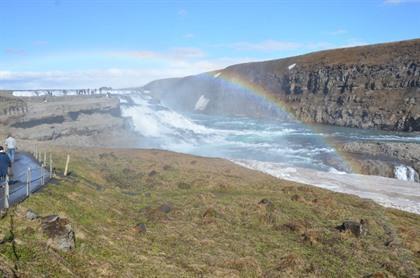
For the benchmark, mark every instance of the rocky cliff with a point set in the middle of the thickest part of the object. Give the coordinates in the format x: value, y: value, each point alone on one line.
x: 11, y: 108
x: 376, y: 86
x: 383, y: 158
x: 76, y: 120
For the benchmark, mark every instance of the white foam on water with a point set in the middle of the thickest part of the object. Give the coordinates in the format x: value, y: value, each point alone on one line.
x: 172, y: 130
x: 406, y: 173
x: 123, y: 101
x: 24, y: 93
x: 202, y: 103
x: 144, y: 120
x: 335, y: 171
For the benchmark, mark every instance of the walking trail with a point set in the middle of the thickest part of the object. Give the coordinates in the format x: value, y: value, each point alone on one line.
x: 17, y: 184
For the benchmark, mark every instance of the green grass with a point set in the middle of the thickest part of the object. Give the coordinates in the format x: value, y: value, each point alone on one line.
x: 215, y: 228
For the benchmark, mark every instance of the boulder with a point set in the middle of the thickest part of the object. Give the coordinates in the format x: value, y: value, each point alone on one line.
x: 210, y: 212
x: 356, y: 228
x: 60, y: 233
x: 6, y: 237
x: 30, y: 215
x: 165, y: 208
x: 265, y: 202
x: 140, y: 228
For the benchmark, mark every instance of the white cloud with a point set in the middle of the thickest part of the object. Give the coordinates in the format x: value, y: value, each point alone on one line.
x: 15, y: 51
x: 178, y: 53
x: 114, y: 77
x: 267, y: 45
x: 337, y: 32
x: 188, y: 36
x: 182, y: 12
x: 144, y: 65
x: 274, y: 47
x: 397, y: 2
x: 40, y: 43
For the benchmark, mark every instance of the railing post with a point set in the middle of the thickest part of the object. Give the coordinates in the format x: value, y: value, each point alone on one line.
x: 45, y: 158
x: 51, y: 167
x: 28, y: 181
x: 42, y: 176
x: 36, y: 152
x: 66, y: 169
x: 6, y: 193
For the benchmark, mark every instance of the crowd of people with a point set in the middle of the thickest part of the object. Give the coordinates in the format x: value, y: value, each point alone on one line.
x: 7, y: 157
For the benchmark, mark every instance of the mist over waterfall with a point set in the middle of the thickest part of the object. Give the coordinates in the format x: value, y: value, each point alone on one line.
x: 245, y: 138
x: 232, y: 137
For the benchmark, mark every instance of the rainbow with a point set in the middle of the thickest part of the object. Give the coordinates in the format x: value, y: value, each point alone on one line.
x: 260, y: 91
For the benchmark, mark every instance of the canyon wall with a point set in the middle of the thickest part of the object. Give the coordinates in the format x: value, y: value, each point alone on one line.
x: 375, y: 86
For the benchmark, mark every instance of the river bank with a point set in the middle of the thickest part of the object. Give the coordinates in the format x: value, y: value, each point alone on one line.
x: 145, y: 213
x: 135, y: 119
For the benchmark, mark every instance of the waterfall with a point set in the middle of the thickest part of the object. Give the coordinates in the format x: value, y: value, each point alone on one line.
x: 406, y: 173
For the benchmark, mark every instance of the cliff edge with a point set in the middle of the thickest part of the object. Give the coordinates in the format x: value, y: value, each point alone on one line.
x: 375, y: 86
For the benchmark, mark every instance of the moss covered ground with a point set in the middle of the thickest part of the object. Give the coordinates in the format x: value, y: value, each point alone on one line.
x: 216, y: 226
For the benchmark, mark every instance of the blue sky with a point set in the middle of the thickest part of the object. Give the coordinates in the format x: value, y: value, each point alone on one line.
x: 123, y: 43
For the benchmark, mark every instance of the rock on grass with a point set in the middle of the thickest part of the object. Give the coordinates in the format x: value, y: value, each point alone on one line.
x: 30, y: 215
x: 60, y: 233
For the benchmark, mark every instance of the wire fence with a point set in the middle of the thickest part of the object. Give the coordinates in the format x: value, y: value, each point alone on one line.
x: 19, y: 186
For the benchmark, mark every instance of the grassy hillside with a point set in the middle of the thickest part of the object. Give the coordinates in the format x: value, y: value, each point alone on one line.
x: 216, y: 225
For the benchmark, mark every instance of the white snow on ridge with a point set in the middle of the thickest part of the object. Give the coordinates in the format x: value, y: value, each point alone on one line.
x: 388, y: 192
x: 291, y: 66
x: 202, y: 103
x: 217, y: 74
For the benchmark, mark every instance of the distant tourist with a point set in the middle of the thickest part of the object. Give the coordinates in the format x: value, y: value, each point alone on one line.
x: 5, y: 164
x: 11, y: 147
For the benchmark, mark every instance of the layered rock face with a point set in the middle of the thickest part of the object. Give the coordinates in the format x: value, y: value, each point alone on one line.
x: 375, y: 86
x: 76, y: 120
x: 357, y: 95
x: 11, y: 108
x: 383, y: 158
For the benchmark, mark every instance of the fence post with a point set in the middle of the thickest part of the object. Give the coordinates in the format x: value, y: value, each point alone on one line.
x: 51, y: 167
x: 6, y: 193
x: 45, y: 158
x: 42, y: 176
x: 28, y: 181
x: 66, y: 169
x: 36, y: 152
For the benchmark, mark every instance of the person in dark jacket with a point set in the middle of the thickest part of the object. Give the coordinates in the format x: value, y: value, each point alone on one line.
x: 5, y: 163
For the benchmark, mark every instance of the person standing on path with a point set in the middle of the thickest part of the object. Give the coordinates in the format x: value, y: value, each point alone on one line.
x: 5, y: 164
x: 11, y: 147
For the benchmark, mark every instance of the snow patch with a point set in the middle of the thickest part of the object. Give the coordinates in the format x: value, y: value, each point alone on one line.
x: 291, y: 66
x: 404, y: 195
x: 202, y: 103
x: 217, y: 74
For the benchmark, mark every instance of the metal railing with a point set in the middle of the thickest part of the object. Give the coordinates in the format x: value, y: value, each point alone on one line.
x: 31, y: 178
